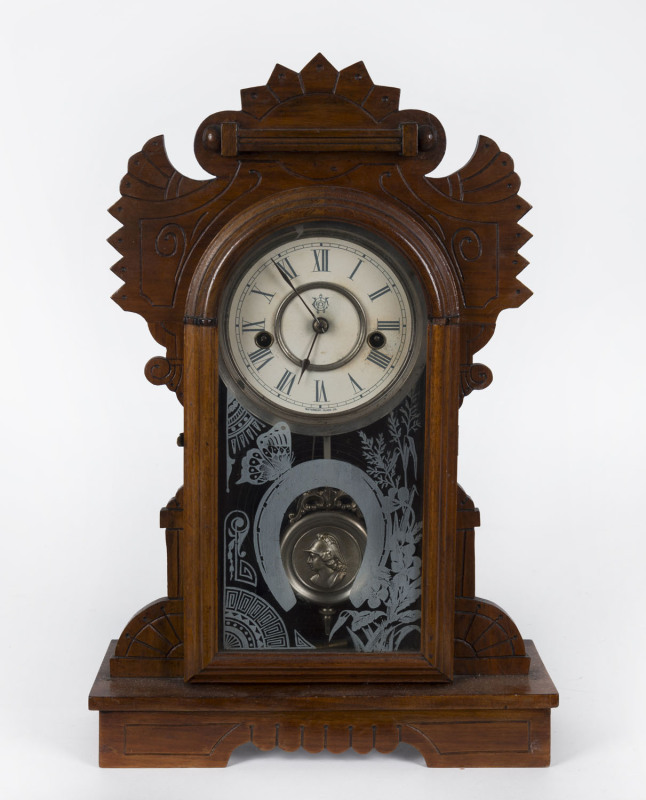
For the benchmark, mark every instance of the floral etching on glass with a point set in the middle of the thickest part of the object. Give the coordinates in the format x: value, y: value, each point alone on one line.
x: 388, y: 609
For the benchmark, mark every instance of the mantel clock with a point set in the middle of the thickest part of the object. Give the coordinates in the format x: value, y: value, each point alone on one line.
x: 320, y: 301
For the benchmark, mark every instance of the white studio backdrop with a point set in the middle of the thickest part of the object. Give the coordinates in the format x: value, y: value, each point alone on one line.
x: 552, y: 452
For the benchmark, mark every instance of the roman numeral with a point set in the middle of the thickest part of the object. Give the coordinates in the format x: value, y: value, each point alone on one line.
x: 321, y: 260
x: 269, y: 297
x: 379, y: 292
x: 286, y: 268
x: 260, y: 357
x: 388, y: 324
x: 321, y: 396
x: 255, y: 327
x: 378, y: 358
x: 352, y: 274
x: 286, y: 383
x: 355, y: 386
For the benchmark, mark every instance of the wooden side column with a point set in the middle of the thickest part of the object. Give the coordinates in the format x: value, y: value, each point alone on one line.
x: 200, y: 496
x: 441, y: 492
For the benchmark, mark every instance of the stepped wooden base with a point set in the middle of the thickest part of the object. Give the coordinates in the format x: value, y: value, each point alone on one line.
x: 476, y: 721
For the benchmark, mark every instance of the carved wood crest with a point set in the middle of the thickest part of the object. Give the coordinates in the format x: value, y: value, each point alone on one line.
x: 274, y: 144
x: 316, y: 129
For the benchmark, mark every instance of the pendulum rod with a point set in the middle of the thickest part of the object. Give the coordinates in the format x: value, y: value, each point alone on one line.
x: 327, y: 447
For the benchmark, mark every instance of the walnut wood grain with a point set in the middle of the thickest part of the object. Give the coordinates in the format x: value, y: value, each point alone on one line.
x: 472, y: 722
x: 486, y: 640
x: 321, y: 144
x: 204, y: 660
x: 468, y: 519
x: 169, y: 220
x: 171, y: 517
x: 473, y: 653
x: 152, y: 643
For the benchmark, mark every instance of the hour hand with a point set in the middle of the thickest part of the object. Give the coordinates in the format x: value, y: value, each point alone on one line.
x: 306, y: 361
x: 305, y: 365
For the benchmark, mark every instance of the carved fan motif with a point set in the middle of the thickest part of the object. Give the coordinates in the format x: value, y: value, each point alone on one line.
x: 156, y: 632
x: 483, y: 632
x: 168, y: 220
x: 352, y: 83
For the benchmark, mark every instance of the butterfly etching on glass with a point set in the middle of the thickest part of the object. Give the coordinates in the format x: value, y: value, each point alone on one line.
x: 272, y: 456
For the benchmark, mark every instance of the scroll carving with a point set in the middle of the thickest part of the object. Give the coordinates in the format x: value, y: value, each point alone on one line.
x: 336, y: 142
x: 168, y: 219
x: 474, y: 376
x: 162, y: 371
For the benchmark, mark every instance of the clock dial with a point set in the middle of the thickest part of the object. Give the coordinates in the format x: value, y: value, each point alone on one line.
x: 321, y: 330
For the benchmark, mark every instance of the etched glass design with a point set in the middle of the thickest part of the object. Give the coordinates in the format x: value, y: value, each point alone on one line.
x: 321, y: 545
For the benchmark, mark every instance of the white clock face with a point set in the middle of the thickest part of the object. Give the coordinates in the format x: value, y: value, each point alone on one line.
x: 320, y: 331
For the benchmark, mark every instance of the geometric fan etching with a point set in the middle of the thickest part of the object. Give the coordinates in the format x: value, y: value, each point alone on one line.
x: 483, y: 630
x: 156, y: 632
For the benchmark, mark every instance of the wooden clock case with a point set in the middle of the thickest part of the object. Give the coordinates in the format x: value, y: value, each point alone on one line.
x: 320, y: 144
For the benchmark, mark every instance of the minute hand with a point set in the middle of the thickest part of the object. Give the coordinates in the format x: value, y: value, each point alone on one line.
x: 294, y: 289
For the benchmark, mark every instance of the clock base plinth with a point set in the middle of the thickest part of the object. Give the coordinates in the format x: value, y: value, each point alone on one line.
x: 475, y: 721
